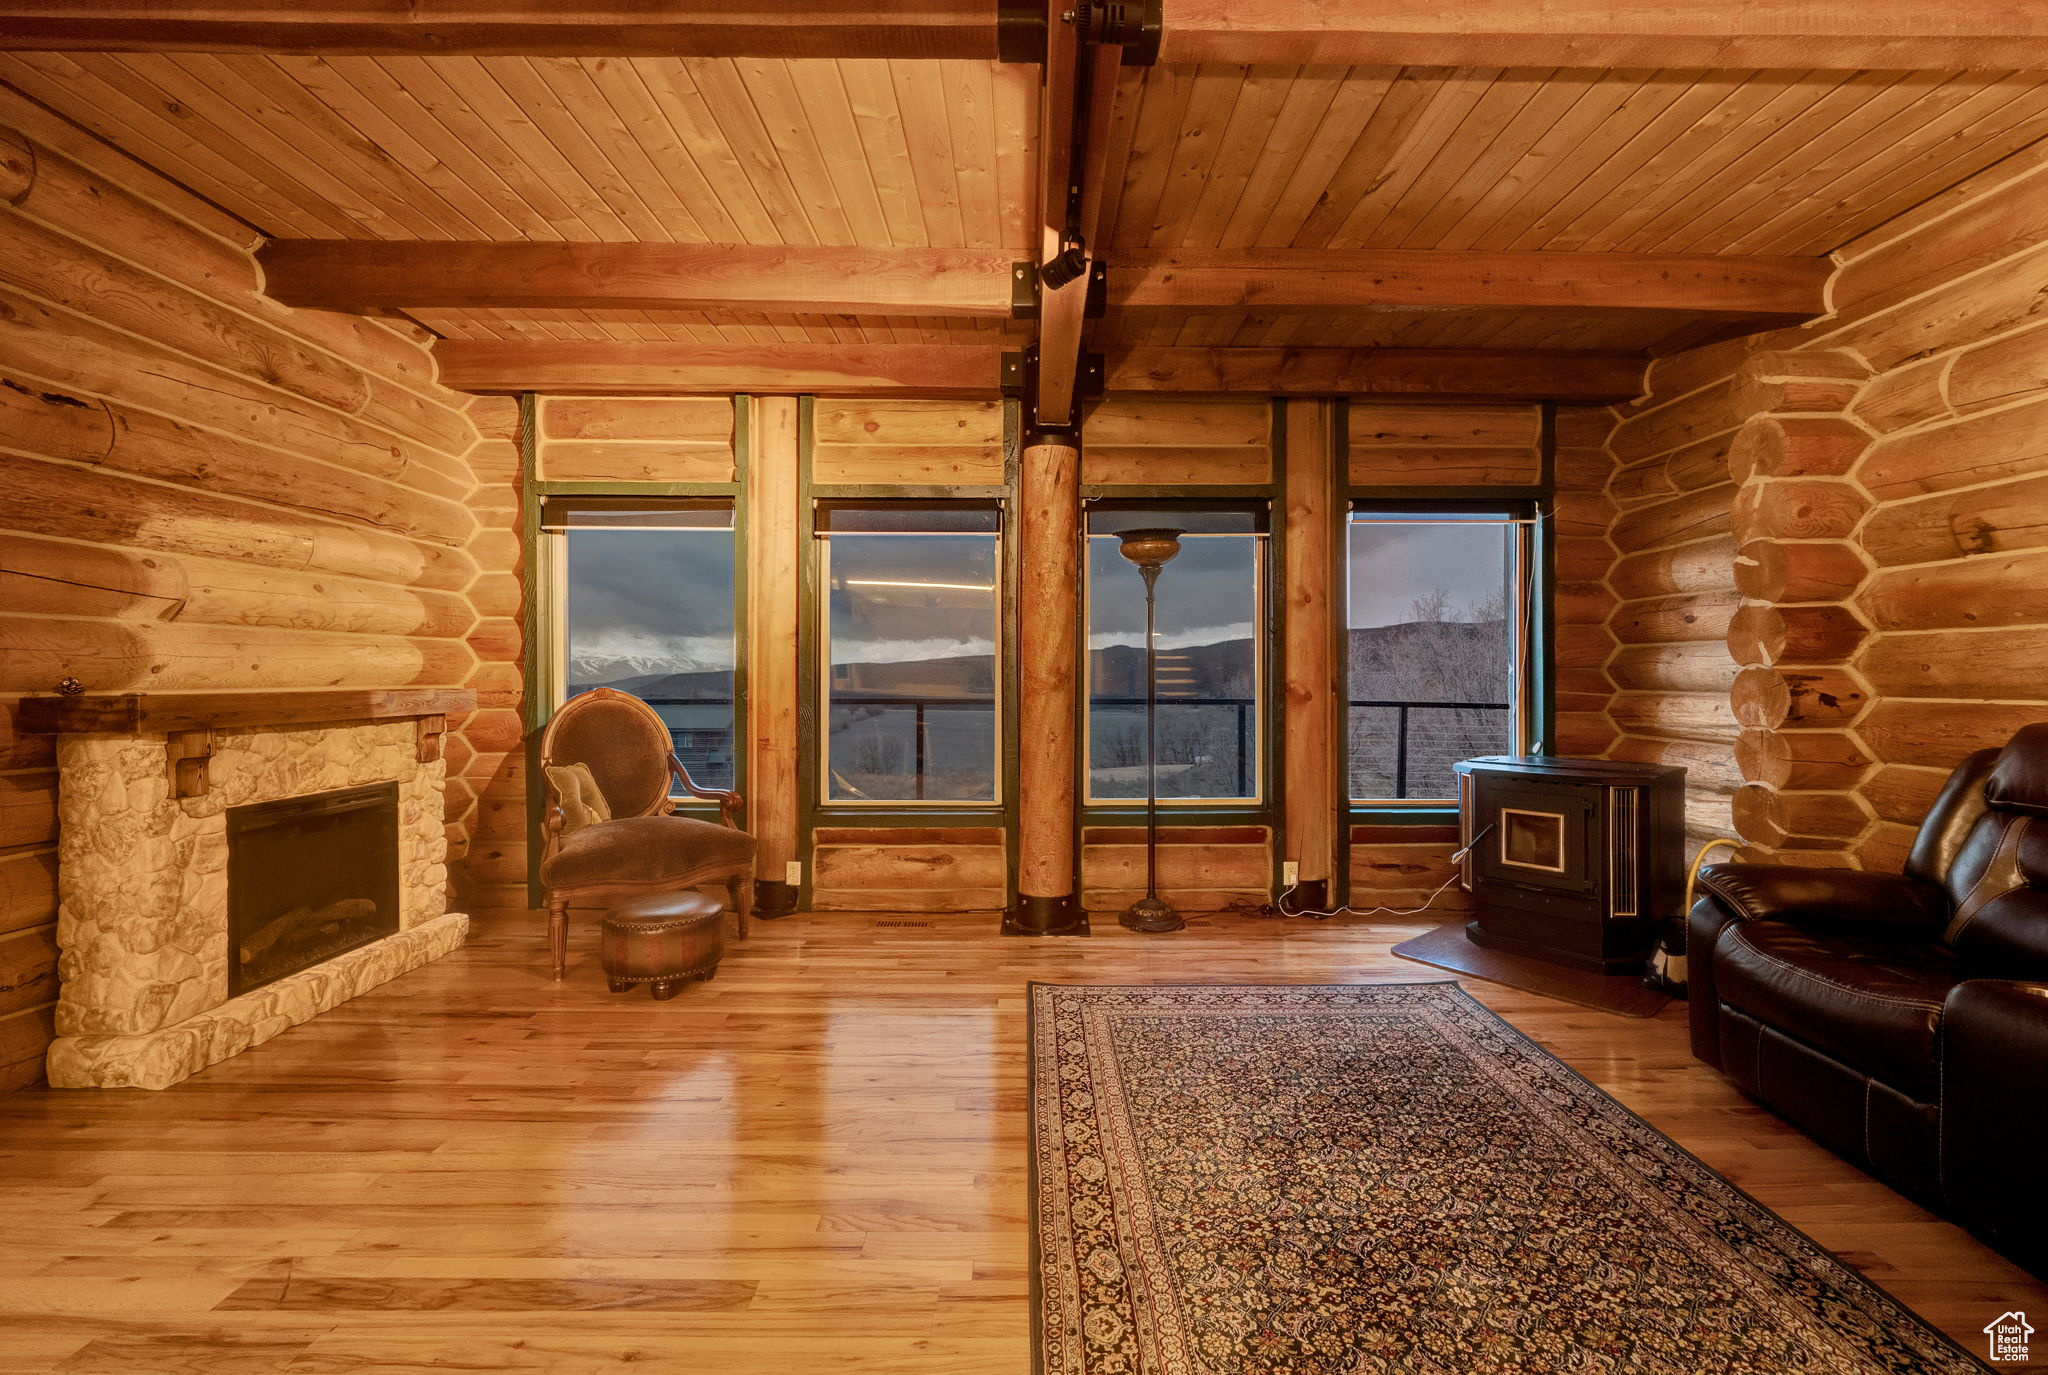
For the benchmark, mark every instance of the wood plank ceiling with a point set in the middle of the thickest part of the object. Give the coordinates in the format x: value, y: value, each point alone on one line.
x: 926, y: 153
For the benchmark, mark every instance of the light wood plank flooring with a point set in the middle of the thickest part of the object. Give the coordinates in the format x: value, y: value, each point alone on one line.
x: 814, y: 1163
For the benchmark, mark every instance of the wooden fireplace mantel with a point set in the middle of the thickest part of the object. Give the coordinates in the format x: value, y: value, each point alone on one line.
x: 189, y: 719
x: 168, y: 713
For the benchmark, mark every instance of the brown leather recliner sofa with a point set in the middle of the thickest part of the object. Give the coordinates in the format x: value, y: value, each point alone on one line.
x: 1902, y: 1019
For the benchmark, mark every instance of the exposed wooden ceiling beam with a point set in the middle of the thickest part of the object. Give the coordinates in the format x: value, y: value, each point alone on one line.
x: 1799, y: 34
x: 941, y: 370
x: 1796, y: 34
x: 975, y: 283
x: 352, y: 274
x: 572, y: 28
x: 931, y: 370
x: 1440, y: 374
x: 1336, y: 280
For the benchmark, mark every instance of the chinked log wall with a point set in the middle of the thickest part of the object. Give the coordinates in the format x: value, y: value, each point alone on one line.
x: 1834, y: 540
x: 204, y: 490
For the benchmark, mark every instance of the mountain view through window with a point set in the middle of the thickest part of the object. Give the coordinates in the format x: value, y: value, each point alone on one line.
x: 650, y: 611
x: 1429, y: 632
x: 1209, y: 629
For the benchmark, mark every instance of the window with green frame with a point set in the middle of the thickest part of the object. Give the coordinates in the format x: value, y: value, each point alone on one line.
x: 1437, y: 650
x: 910, y: 652
x: 1211, y: 628
x: 646, y: 604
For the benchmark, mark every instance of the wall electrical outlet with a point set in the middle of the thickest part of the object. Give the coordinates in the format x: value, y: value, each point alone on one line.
x: 793, y: 873
x: 1290, y: 873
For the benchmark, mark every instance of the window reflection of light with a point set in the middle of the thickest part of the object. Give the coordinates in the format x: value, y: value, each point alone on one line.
x: 955, y: 586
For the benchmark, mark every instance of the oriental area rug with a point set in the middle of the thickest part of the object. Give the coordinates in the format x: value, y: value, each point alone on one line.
x: 1343, y: 1180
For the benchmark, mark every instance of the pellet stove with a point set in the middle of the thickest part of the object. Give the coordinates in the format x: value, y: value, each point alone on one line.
x: 1576, y: 861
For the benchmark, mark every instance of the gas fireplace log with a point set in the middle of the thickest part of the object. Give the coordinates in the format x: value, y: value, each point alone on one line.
x: 326, y: 920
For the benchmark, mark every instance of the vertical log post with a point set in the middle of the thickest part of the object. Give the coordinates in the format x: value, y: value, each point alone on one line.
x: 771, y: 706
x: 1309, y: 636
x: 1048, y: 615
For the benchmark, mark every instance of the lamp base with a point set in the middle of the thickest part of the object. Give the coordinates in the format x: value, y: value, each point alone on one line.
x: 1150, y: 915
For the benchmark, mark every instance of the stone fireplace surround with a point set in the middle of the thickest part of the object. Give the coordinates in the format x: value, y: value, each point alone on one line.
x: 142, y: 921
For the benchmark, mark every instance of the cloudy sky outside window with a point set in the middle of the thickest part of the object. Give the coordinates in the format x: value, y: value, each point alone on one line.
x: 648, y: 602
x: 1392, y: 566
x: 1206, y: 594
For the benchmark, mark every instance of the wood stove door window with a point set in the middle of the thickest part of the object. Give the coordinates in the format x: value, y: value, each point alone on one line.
x: 1532, y: 840
x: 1437, y: 648
x: 1543, y: 834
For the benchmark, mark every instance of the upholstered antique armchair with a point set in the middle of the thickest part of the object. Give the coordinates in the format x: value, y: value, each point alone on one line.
x: 608, y: 763
x: 1902, y: 1018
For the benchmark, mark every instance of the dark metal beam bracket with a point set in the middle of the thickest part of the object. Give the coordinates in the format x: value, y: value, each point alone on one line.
x: 1020, y: 380
x: 1133, y: 25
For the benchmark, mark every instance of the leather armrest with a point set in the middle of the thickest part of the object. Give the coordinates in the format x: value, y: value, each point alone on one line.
x: 1825, y: 897
x: 1798, y: 896
x: 1994, y: 1113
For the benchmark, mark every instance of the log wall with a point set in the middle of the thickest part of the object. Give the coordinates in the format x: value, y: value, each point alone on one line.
x: 635, y: 439
x: 205, y: 490
x: 1406, y: 444
x: 1832, y: 539
x: 487, y: 761
x: 1132, y: 440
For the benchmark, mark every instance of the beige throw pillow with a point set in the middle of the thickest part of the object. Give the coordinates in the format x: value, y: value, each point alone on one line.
x: 582, y: 803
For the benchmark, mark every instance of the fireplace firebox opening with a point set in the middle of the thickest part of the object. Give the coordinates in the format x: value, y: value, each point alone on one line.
x: 309, y: 878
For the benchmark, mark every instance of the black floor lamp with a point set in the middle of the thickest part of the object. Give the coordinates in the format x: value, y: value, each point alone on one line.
x: 1151, y: 550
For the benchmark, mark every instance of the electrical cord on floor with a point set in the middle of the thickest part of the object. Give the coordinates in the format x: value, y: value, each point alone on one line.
x: 1281, y: 909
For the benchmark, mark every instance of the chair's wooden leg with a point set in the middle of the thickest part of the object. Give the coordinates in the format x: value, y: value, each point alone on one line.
x: 558, y: 935
x: 742, y: 889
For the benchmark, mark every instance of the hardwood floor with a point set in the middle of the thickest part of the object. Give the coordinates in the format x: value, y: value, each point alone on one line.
x: 814, y: 1163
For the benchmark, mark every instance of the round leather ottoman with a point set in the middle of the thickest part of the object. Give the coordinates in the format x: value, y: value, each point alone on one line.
x: 663, y: 940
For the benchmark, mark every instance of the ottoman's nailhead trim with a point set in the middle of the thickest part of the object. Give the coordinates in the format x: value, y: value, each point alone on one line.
x: 661, y: 978
x: 639, y: 930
